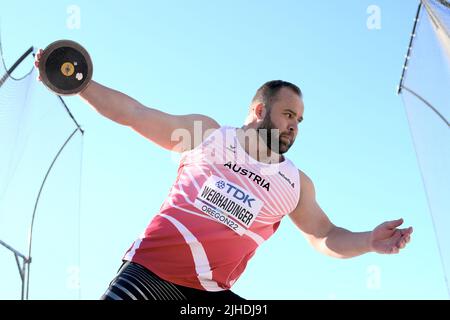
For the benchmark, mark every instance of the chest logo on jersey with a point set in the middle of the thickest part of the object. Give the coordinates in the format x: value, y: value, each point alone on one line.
x: 287, y: 179
x: 228, y: 204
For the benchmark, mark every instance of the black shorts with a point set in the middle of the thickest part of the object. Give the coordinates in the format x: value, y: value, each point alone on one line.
x: 135, y: 282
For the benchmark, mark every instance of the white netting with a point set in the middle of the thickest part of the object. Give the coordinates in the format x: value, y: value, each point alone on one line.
x: 34, y: 125
x: 426, y: 96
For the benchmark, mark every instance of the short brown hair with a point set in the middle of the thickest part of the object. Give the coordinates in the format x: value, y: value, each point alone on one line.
x: 267, y: 93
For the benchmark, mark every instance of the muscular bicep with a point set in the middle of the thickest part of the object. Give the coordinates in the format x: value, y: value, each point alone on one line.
x: 309, y: 216
x: 173, y: 132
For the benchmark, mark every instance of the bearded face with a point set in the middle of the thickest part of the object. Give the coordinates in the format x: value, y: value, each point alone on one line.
x: 277, y: 141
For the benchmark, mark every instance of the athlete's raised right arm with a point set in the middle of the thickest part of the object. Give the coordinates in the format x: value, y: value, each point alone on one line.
x: 157, y: 126
x: 153, y: 124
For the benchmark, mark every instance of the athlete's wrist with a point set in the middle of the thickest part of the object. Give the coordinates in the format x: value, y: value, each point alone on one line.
x: 369, y: 242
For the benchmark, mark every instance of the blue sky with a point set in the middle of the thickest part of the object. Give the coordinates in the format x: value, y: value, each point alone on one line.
x: 209, y: 57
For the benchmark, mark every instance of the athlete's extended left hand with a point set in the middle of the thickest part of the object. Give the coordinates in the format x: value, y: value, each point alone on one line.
x: 388, y: 239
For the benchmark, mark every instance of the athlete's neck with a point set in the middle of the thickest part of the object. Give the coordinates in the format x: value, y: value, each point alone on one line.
x: 255, y: 146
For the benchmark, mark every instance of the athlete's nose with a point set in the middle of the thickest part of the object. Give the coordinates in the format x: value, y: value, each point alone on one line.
x: 292, y: 131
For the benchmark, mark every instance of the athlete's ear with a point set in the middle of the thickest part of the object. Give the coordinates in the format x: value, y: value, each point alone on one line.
x: 260, y: 111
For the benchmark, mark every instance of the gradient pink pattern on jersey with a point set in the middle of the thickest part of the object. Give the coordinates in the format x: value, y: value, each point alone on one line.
x: 221, y: 207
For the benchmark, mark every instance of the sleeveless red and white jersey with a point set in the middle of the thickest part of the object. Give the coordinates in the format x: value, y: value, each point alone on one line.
x: 221, y: 207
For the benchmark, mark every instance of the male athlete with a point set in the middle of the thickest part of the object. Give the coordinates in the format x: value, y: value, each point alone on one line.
x: 234, y: 186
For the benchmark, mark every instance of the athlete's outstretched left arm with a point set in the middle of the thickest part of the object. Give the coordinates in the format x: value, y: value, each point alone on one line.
x: 338, y: 242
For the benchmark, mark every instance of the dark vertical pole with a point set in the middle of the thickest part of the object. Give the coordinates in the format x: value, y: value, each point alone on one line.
x: 14, y: 66
x: 413, y: 34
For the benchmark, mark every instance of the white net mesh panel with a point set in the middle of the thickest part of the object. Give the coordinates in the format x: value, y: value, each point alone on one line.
x: 34, y: 125
x: 426, y: 96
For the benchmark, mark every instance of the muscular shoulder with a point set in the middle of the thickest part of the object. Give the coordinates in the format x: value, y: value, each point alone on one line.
x: 306, y: 187
x: 208, y: 122
x: 204, y: 125
x: 209, y: 126
x: 195, y: 129
x: 305, y: 181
